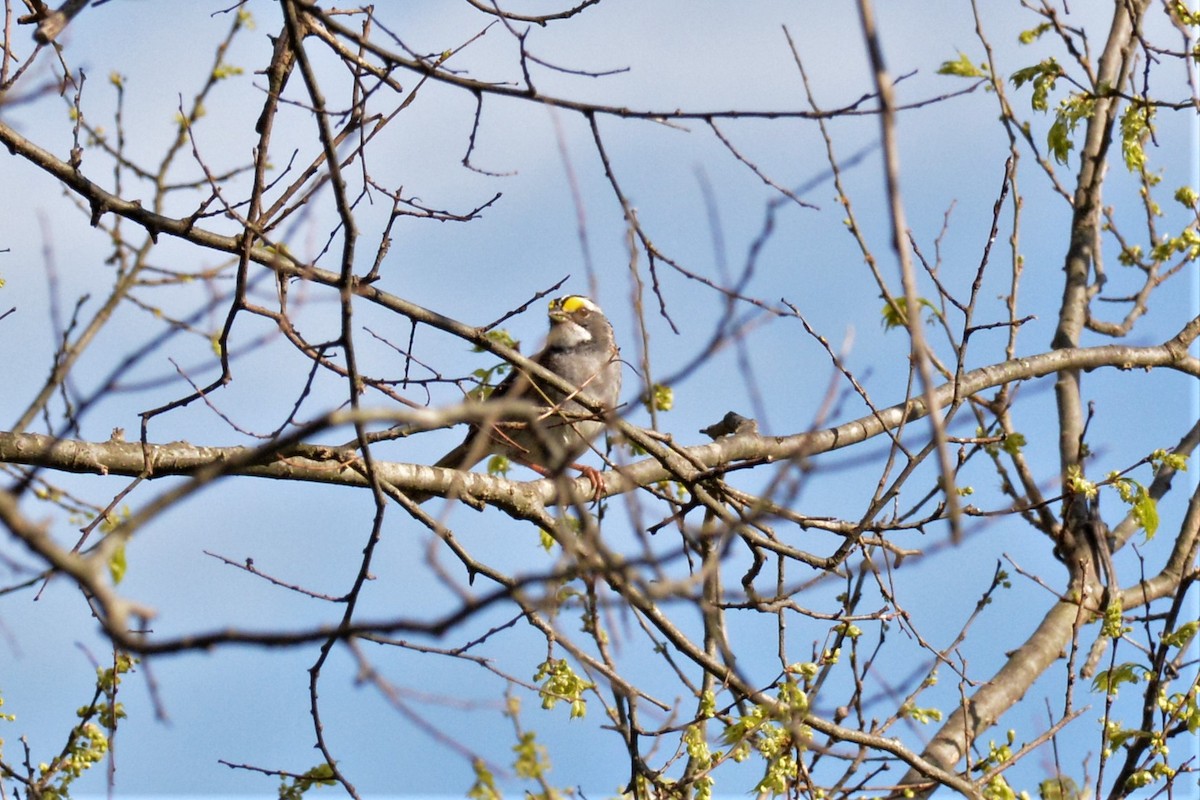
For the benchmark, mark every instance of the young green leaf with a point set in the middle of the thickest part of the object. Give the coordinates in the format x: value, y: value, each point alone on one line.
x: 962, y: 67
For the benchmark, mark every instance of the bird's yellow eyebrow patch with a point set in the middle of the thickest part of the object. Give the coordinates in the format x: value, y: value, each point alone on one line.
x: 571, y: 304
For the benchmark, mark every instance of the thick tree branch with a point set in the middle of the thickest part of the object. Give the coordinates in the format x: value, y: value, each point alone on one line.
x: 322, y: 464
x: 1115, y: 63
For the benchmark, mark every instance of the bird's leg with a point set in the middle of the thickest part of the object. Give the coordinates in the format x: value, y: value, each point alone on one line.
x: 594, y: 476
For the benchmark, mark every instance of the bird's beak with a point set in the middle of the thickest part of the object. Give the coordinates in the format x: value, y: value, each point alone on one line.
x: 558, y: 316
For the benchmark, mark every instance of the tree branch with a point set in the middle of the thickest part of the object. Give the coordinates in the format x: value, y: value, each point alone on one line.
x: 325, y: 464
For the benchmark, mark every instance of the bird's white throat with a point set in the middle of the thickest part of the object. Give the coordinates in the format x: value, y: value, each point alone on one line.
x: 567, y: 334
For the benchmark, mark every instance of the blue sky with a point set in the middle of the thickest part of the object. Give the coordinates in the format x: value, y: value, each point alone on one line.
x: 250, y: 706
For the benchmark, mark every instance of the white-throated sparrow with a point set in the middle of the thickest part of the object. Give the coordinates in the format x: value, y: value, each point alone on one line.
x: 556, y: 430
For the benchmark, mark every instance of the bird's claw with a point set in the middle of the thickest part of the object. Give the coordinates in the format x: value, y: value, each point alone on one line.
x: 596, y: 478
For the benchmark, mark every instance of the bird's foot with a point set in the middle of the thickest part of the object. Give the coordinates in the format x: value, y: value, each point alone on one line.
x: 595, y: 477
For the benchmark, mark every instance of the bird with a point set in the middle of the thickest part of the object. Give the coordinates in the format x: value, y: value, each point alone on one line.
x: 555, y: 430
